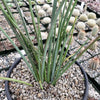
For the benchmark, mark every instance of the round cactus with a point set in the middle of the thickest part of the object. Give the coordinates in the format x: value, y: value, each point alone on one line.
x: 81, y: 34
x: 72, y: 19
x: 98, y: 22
x: 94, y: 46
x: 40, y: 1
x: 46, y: 6
x: 92, y: 15
x: 91, y: 22
x: 49, y: 11
x: 76, y: 12
x: 83, y: 17
x: 81, y: 25
x: 68, y: 28
x: 95, y: 30
x: 41, y: 13
x: 37, y: 7
x: 46, y: 20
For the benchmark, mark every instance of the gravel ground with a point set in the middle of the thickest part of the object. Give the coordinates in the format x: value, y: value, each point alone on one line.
x: 6, y: 61
x: 74, y: 91
x: 64, y: 89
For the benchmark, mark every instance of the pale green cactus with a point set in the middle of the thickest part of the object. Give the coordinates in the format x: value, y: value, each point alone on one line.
x: 98, y: 21
x: 95, y: 30
x: 91, y: 22
x: 92, y: 15
x: 81, y: 25
x: 94, y: 46
x: 94, y: 63
x: 81, y: 34
x: 83, y: 17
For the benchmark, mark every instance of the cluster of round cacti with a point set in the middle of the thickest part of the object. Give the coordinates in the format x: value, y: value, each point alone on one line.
x: 88, y: 19
x: 94, y: 63
x: 85, y: 19
x: 44, y: 10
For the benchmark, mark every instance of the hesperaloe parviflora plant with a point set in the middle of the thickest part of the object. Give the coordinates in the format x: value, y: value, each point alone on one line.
x: 45, y: 62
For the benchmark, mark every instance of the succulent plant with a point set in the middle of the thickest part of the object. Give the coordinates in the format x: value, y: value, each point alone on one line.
x: 44, y: 61
x: 37, y: 7
x: 91, y: 22
x: 68, y: 28
x: 92, y: 15
x: 76, y: 12
x: 81, y: 34
x: 40, y: 1
x: 41, y: 13
x: 94, y: 63
x: 33, y: 2
x: 83, y: 17
x: 48, y: 1
x: 46, y: 6
x: 95, y: 30
x: 81, y: 25
x: 93, y: 46
x: 72, y: 19
x: 46, y: 20
x: 49, y: 11
x: 98, y: 21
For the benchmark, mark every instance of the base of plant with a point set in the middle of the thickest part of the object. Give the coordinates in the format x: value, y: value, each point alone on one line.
x: 69, y: 86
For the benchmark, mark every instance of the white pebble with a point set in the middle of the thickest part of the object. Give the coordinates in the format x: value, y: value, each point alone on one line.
x: 46, y: 20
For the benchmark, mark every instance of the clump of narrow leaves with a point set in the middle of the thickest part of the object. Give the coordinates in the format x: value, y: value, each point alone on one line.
x: 45, y: 62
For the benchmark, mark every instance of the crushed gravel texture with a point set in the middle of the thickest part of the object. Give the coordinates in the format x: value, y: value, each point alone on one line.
x: 69, y: 87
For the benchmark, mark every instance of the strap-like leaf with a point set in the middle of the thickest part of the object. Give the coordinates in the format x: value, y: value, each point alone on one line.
x: 19, y: 52
x: 15, y: 80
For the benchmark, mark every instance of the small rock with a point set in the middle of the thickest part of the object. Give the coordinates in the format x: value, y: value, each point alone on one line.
x: 40, y: 95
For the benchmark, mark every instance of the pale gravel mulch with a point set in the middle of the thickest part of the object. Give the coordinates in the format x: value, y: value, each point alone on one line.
x: 12, y: 58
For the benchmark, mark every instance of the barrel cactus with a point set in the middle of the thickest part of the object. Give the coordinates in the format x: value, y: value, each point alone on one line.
x: 81, y: 34
x: 95, y: 30
x: 94, y: 63
x: 92, y: 15
x: 94, y: 46
x: 91, y: 22
x: 83, y: 17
